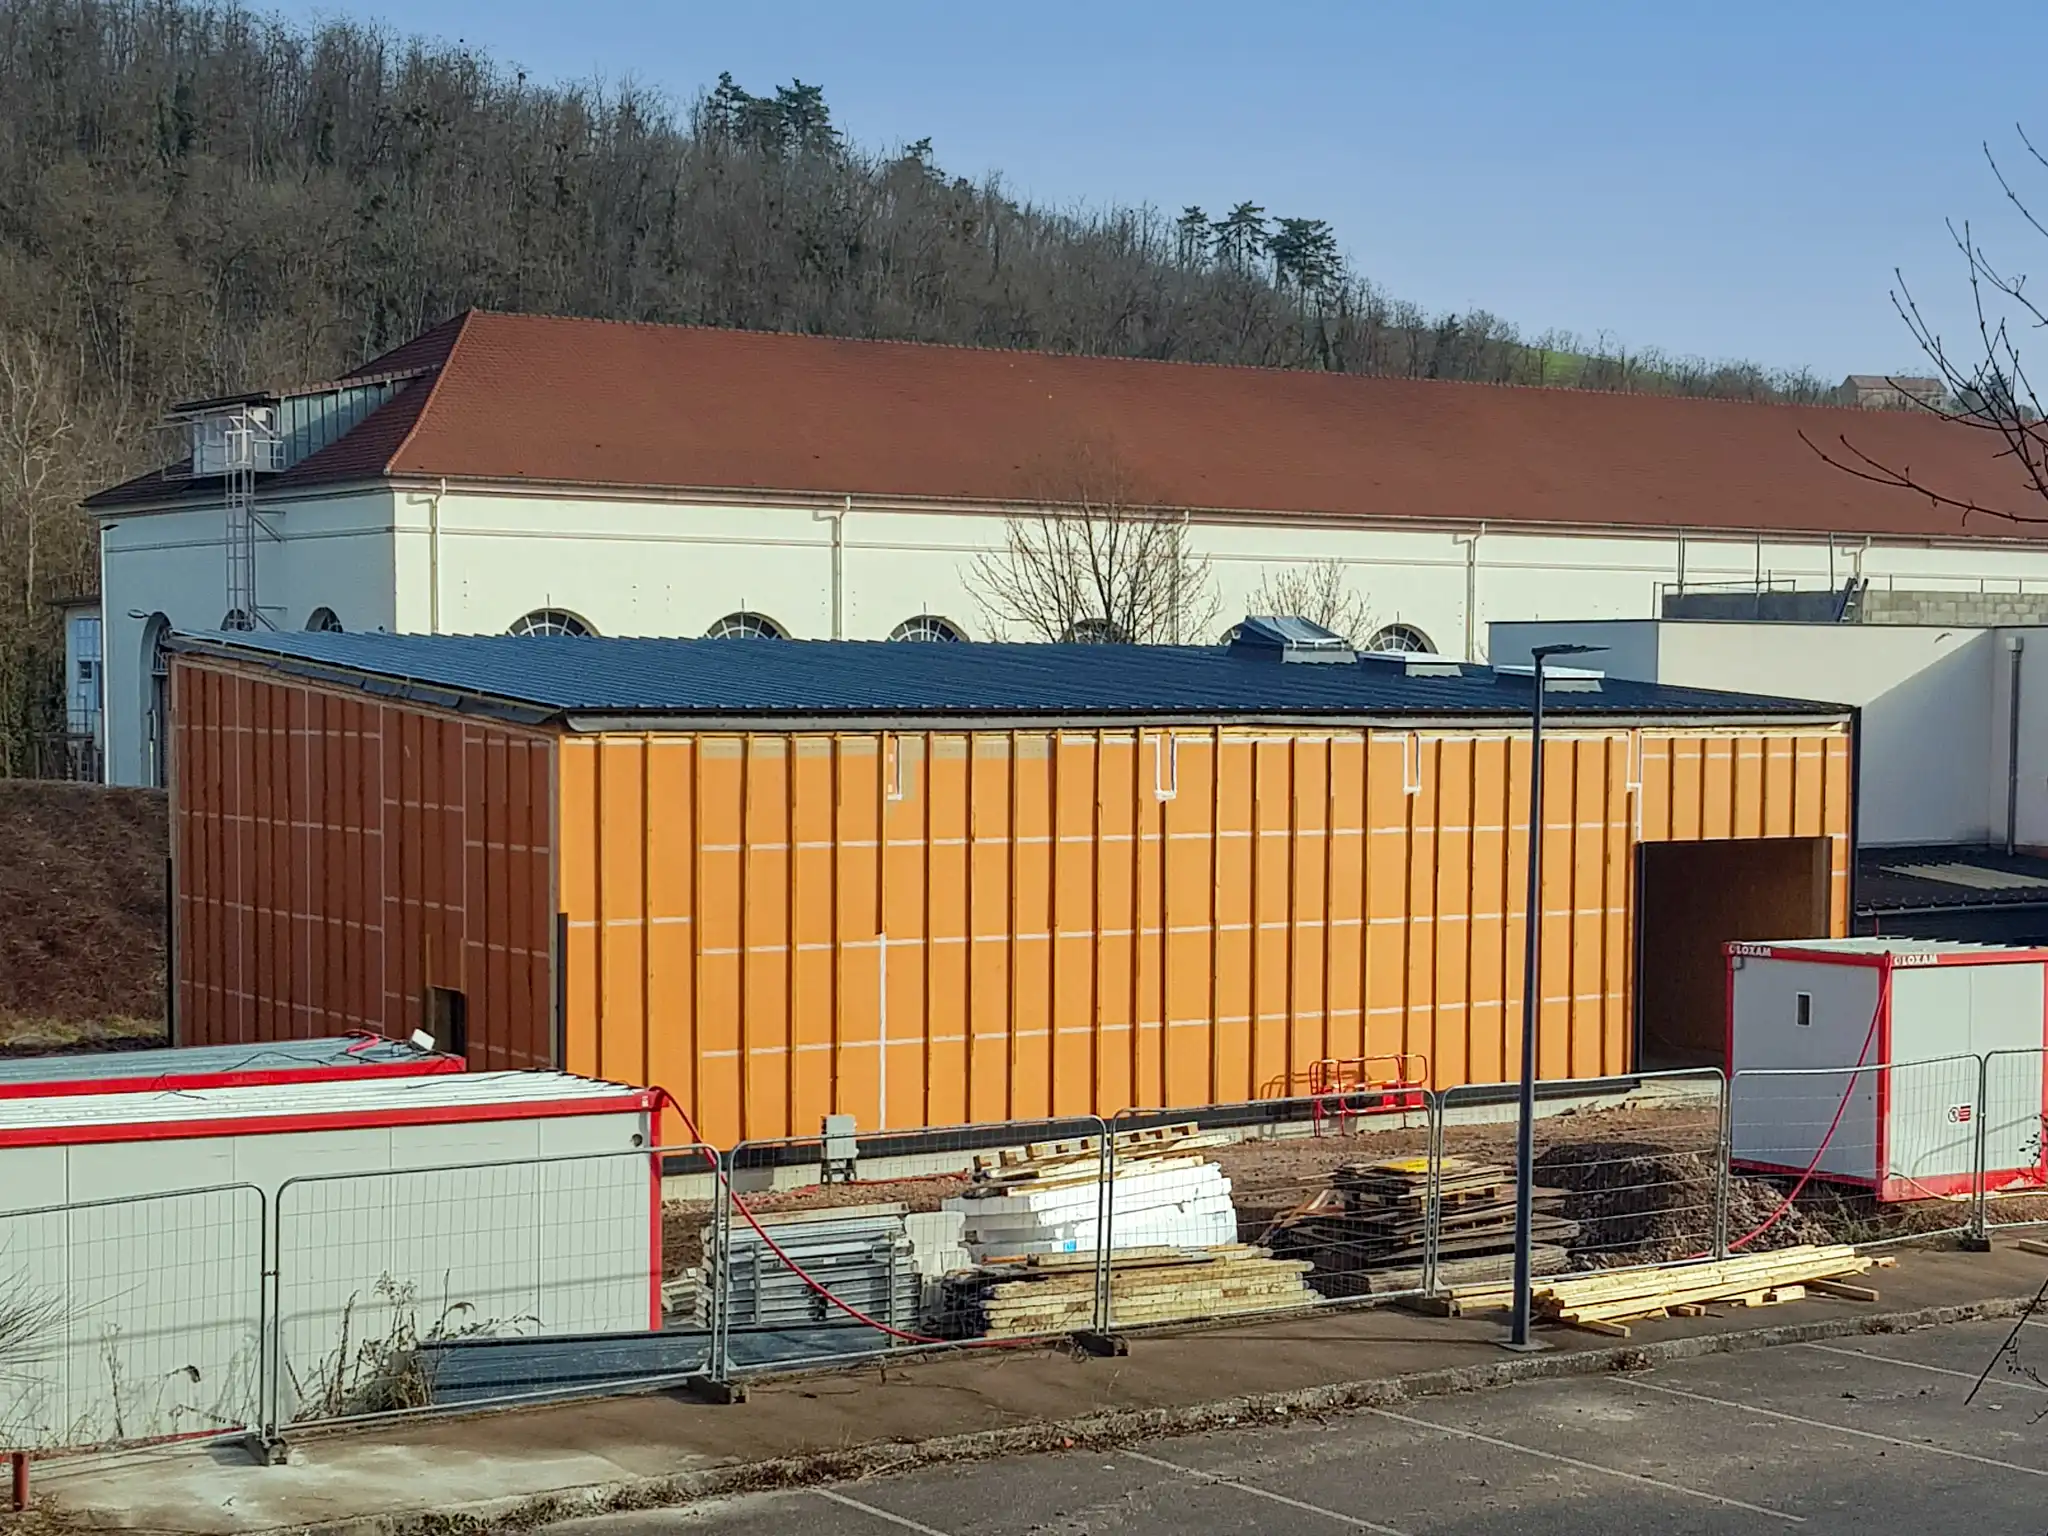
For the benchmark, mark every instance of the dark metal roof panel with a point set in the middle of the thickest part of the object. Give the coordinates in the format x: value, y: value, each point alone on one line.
x: 718, y: 679
x: 1947, y: 875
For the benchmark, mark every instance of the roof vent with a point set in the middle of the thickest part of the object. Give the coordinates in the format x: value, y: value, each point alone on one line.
x: 1415, y: 663
x: 1555, y: 679
x: 1285, y: 637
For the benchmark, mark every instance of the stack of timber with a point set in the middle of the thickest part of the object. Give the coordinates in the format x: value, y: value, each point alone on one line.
x: 1048, y: 1198
x: 1049, y: 1294
x: 1367, y: 1232
x: 1608, y: 1303
x: 1033, y: 1224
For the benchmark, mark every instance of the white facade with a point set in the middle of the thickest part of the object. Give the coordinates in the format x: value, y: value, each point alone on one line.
x: 136, y: 1228
x: 470, y: 559
x: 1936, y: 707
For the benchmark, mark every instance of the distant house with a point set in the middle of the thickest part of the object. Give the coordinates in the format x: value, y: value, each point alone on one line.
x: 1892, y: 392
x: 563, y: 476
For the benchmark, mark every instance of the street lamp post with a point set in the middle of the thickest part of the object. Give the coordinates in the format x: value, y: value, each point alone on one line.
x: 1532, y: 996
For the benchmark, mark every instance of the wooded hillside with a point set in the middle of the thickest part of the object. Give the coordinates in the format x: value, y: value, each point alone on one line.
x: 195, y: 198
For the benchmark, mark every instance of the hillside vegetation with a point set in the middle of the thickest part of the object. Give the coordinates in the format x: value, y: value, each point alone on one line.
x: 81, y: 915
x: 195, y: 198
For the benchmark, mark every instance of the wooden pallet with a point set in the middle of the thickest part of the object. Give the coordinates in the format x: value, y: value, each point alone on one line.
x: 1080, y: 1158
x: 1750, y: 1280
x: 1057, y: 1293
x: 1607, y: 1303
x: 1376, y: 1215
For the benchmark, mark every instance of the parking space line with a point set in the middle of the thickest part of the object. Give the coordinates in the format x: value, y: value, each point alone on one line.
x: 879, y: 1514
x: 1588, y: 1466
x: 1263, y: 1493
x: 1916, y: 1365
x: 1839, y: 1429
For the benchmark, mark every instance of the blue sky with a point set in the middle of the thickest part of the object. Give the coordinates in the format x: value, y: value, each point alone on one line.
x: 1732, y: 180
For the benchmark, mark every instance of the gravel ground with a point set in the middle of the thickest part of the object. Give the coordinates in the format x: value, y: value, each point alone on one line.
x: 1640, y: 1182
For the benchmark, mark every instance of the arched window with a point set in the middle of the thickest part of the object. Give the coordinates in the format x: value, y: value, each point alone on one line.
x: 1400, y: 637
x: 551, y: 621
x: 746, y: 625
x: 1094, y: 632
x: 927, y: 626
x: 156, y: 701
x: 322, y: 621
x: 235, y: 618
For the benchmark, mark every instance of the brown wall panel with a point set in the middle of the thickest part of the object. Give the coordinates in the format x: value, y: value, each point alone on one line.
x: 337, y: 855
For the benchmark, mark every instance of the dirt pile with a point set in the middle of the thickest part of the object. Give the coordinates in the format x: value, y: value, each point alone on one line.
x: 81, y: 913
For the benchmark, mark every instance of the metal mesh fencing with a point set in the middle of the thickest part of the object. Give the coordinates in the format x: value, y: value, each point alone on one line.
x: 411, y: 1290
x: 2013, y: 1139
x: 1267, y: 1206
x: 1862, y: 1154
x: 824, y: 1249
x: 1629, y: 1171
x: 131, y: 1320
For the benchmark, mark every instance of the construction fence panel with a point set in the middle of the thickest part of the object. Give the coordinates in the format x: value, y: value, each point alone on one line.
x: 131, y: 1320
x: 415, y: 1290
x: 1271, y: 1205
x: 2013, y: 1137
x: 1629, y: 1171
x: 1872, y: 1153
x: 831, y: 1248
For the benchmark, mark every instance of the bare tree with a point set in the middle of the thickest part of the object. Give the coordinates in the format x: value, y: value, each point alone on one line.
x: 1321, y: 593
x: 1094, y: 561
x: 1988, y: 387
x: 37, y: 432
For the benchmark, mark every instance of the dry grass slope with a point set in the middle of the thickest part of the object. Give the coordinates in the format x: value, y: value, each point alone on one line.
x: 81, y: 915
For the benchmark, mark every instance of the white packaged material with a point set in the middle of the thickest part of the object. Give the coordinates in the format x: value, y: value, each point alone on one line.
x: 1171, y: 1203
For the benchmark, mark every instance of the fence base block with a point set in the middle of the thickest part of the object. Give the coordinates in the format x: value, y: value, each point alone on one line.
x: 1105, y: 1346
x: 723, y: 1393
x: 266, y: 1450
x: 1970, y: 1242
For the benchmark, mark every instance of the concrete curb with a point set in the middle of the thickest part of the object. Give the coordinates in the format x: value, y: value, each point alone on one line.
x: 1107, y: 1430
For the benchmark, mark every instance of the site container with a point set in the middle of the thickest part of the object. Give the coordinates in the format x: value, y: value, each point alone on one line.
x: 144, y: 1237
x: 1881, y: 1062
x: 925, y: 885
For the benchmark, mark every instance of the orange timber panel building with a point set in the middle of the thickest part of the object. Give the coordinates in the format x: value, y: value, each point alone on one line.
x: 936, y: 922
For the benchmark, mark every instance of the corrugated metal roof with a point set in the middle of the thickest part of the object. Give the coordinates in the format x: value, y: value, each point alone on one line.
x: 1944, y: 875
x: 184, y: 1063
x: 218, y: 1109
x: 556, y: 676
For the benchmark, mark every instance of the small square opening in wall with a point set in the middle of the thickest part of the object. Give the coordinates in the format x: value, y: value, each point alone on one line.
x: 1802, y: 1010
x: 447, y: 1019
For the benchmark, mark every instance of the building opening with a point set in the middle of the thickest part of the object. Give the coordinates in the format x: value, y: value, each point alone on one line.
x: 448, y: 1020
x: 1693, y: 898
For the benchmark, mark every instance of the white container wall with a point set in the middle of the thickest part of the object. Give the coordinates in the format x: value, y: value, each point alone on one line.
x: 1857, y: 1060
x: 132, y: 1242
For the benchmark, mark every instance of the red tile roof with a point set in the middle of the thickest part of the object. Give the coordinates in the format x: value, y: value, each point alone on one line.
x: 601, y: 403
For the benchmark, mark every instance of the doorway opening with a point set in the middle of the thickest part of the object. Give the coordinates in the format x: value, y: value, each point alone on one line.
x: 448, y: 1020
x: 1693, y: 898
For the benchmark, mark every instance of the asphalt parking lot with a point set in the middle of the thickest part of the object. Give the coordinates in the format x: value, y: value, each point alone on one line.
x: 1869, y: 1435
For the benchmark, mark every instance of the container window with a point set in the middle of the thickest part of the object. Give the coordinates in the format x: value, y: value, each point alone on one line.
x: 1803, y: 1010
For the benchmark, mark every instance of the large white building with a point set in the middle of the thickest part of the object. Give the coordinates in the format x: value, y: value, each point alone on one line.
x: 515, y: 472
